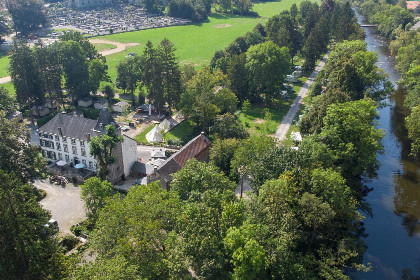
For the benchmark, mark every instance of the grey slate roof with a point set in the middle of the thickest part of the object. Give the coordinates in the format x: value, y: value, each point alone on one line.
x: 71, y: 126
x: 105, y: 118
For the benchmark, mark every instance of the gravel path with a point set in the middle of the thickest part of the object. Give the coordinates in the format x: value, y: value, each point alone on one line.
x: 65, y: 204
x: 284, y: 127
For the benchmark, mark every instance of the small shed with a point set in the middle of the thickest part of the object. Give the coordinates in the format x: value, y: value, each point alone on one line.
x: 51, y: 104
x: 85, y: 101
x: 43, y: 111
x: 17, y: 115
x: 121, y: 106
x: 102, y: 103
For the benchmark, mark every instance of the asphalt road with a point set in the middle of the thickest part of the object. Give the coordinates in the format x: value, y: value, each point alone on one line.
x: 65, y: 204
x: 284, y: 127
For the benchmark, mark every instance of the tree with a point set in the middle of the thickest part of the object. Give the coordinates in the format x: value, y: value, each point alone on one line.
x: 129, y: 75
x: 26, y: 14
x: 243, y: 6
x: 413, y: 127
x: 104, y: 268
x: 349, y: 132
x: 88, y: 49
x: 207, y: 96
x: 97, y: 73
x: 171, y: 74
x: 75, y: 68
x: 238, y: 76
x: 227, y: 126
x: 18, y: 155
x: 222, y: 152
x: 101, y: 148
x: 108, y: 91
x: 267, y: 65
x: 25, y: 76
x: 152, y: 74
x: 29, y: 249
x: 226, y: 5
x: 7, y: 102
x: 95, y: 193
x: 197, y: 177
x: 138, y: 229
x: 49, y: 70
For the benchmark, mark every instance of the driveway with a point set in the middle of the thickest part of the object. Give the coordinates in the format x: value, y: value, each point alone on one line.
x: 284, y: 127
x: 65, y: 204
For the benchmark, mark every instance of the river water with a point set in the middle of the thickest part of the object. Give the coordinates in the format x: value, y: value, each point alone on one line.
x: 393, y: 233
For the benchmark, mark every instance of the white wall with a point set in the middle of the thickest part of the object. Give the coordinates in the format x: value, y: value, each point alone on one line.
x: 68, y: 141
x: 129, y: 153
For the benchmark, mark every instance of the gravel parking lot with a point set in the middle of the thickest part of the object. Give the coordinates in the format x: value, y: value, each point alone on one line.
x: 65, y: 204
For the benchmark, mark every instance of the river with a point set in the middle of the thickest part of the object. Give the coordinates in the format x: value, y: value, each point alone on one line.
x: 393, y: 233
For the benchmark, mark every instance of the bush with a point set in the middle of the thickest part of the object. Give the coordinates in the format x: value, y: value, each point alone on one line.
x: 174, y: 141
x: 90, y: 113
x: 68, y: 242
x: 43, y: 120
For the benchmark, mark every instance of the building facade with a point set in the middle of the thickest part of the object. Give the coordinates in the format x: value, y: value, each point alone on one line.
x: 66, y: 137
x: 80, y: 4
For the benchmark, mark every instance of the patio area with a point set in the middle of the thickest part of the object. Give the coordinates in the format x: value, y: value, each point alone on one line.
x: 69, y: 172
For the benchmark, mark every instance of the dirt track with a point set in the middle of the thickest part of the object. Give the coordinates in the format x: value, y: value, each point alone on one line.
x: 119, y: 46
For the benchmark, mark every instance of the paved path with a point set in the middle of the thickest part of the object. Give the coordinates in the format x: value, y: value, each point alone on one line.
x: 120, y: 47
x: 284, y: 127
x: 65, y: 204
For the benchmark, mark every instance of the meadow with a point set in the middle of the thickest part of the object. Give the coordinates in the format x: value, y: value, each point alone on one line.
x: 4, y: 65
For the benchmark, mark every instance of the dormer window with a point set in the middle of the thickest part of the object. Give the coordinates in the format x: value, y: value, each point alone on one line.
x: 73, y: 141
x: 82, y: 143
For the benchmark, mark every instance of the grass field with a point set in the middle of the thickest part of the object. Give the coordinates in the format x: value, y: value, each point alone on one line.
x: 182, y: 133
x: 4, y: 65
x: 269, y: 9
x: 9, y: 86
x: 103, y: 47
x: 141, y: 137
x: 195, y: 43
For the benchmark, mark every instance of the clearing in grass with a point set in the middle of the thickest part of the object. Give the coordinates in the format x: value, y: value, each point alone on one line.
x: 4, y: 65
x: 102, y: 47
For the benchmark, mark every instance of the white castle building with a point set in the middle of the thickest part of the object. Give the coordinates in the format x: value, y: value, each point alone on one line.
x: 66, y: 137
x: 88, y: 3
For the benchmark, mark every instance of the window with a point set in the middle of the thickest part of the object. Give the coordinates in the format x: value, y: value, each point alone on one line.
x: 64, y: 139
x: 45, y: 135
x: 90, y: 165
x: 67, y: 158
x: 42, y: 143
x: 84, y: 161
x: 74, y: 150
x: 82, y: 143
x: 83, y: 152
x: 58, y: 146
x: 43, y: 153
x: 73, y: 141
x: 56, y: 138
x: 66, y: 150
x: 40, y: 134
x: 50, y: 136
x: 76, y: 160
x: 52, y: 145
x: 60, y: 156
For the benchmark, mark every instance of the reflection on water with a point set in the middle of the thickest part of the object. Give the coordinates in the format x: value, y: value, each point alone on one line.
x: 393, y: 233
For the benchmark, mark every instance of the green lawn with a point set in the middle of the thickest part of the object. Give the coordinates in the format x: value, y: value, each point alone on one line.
x: 141, y: 138
x: 195, y: 43
x: 9, y: 86
x: 182, y: 133
x: 269, y: 9
x: 102, y: 47
x: 4, y: 65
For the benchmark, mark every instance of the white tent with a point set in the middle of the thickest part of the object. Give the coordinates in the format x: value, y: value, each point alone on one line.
x: 296, y: 136
x: 154, y: 135
x: 165, y: 125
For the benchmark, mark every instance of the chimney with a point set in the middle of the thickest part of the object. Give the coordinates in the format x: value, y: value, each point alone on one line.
x: 60, y: 131
x: 88, y: 137
x: 101, y: 126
